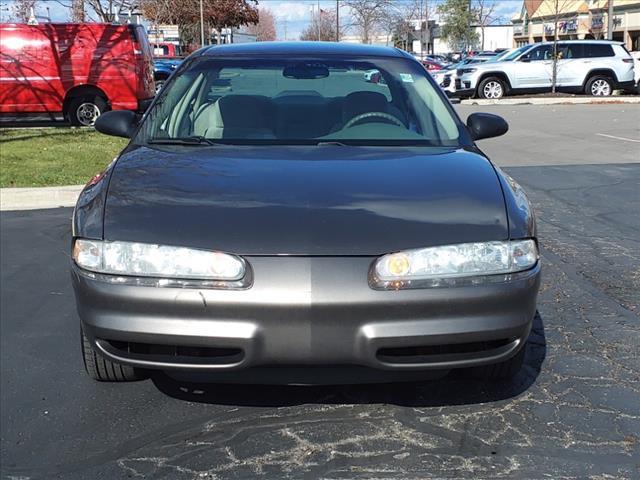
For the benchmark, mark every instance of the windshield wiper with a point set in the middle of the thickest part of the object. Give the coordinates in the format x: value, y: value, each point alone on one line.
x: 331, y: 143
x: 195, y: 140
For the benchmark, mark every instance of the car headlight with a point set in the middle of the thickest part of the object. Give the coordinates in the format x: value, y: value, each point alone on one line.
x: 467, y: 70
x: 160, y: 261
x: 455, y: 261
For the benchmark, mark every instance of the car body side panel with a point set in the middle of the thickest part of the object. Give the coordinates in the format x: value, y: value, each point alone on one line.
x: 522, y: 223
x: 88, y: 215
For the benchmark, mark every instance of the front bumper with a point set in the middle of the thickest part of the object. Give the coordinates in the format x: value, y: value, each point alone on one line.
x: 313, y: 311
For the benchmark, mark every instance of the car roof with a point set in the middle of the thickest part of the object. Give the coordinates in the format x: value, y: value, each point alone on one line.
x: 302, y: 48
x: 607, y: 42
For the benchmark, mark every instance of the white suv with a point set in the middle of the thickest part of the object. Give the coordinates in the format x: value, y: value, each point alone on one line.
x: 594, y: 67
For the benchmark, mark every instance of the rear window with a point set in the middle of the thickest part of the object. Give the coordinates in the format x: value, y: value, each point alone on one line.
x: 278, y: 100
x: 592, y: 50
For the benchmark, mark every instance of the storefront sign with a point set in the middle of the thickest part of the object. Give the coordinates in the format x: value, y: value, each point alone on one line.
x: 597, y: 22
x: 568, y: 26
x: 549, y: 28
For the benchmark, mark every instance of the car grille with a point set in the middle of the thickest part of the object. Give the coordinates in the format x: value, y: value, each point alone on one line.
x: 172, y: 353
x: 458, y: 83
x: 435, y: 353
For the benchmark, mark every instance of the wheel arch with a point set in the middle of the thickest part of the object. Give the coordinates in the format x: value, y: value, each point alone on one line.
x: 161, y: 75
x: 605, y: 72
x: 79, y: 91
x: 501, y: 75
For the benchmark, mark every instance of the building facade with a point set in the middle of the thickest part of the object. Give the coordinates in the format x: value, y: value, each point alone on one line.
x: 542, y: 20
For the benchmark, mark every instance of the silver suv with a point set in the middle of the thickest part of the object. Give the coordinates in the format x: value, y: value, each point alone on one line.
x: 594, y: 67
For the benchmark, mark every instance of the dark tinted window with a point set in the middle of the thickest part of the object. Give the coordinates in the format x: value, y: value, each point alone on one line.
x: 543, y: 52
x: 571, y: 50
x: 598, y: 50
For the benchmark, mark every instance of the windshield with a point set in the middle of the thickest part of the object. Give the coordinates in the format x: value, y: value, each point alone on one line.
x: 513, y: 54
x: 286, y: 101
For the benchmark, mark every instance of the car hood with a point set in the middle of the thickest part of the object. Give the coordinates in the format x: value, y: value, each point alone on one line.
x: 321, y: 200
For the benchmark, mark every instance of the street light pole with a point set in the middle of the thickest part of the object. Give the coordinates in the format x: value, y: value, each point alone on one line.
x: 337, y: 20
x: 201, y: 24
x: 319, y: 19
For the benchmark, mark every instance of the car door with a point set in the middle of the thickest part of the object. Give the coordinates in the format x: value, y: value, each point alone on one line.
x: 534, y: 68
x: 571, y: 64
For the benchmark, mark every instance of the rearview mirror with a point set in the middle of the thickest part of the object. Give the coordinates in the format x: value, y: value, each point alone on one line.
x: 118, y: 123
x: 305, y: 71
x: 486, y: 125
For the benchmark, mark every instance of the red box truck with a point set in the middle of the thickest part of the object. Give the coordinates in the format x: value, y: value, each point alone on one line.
x: 72, y: 69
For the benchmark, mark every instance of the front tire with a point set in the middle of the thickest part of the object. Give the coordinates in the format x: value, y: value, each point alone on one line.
x: 103, y: 370
x: 159, y: 84
x: 85, y: 110
x: 599, y: 86
x: 492, y: 88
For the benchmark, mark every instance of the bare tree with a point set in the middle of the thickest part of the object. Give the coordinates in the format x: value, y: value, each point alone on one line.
x: 265, y: 29
x: 558, y: 8
x: 484, y: 11
x: 77, y: 11
x: 322, y: 27
x: 368, y: 15
x: 22, y: 9
x: 104, y: 9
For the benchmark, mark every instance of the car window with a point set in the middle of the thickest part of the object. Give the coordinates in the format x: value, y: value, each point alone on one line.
x: 284, y: 101
x: 513, y: 54
x: 593, y: 50
x: 543, y: 52
x: 571, y: 50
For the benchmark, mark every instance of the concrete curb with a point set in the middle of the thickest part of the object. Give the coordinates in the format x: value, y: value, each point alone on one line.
x: 552, y: 101
x: 38, y: 198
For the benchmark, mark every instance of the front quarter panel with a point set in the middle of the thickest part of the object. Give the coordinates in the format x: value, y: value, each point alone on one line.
x: 88, y: 215
x: 520, y: 214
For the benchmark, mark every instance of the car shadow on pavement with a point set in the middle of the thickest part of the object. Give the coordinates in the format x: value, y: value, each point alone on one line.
x: 456, y: 388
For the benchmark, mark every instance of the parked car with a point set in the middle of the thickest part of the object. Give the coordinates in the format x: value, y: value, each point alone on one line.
x: 636, y: 68
x: 304, y: 227
x: 166, y: 50
x: 432, y: 65
x: 162, y: 70
x: 446, y: 76
x: 75, y: 70
x: 593, y: 67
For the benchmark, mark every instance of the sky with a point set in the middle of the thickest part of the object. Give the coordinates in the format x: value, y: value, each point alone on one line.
x: 292, y: 16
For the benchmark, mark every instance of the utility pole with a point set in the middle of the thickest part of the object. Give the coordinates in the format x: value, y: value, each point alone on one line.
x: 610, y: 21
x: 421, y: 29
x: 201, y: 24
x: 469, y: 29
x: 426, y: 24
x: 337, y: 20
x: 319, y: 19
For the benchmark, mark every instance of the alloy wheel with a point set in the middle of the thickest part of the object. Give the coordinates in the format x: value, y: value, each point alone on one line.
x: 492, y: 90
x: 88, y: 113
x: 600, y: 88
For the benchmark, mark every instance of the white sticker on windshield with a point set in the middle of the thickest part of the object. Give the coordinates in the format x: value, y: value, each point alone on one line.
x: 406, y: 77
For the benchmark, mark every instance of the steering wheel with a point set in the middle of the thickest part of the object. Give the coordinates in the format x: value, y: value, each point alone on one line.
x: 368, y: 115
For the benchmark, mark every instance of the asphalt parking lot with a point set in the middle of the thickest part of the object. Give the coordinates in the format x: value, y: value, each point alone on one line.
x: 572, y: 412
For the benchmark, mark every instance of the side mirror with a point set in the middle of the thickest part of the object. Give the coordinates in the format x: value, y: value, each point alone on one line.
x: 486, y: 125
x: 525, y: 59
x: 119, y: 123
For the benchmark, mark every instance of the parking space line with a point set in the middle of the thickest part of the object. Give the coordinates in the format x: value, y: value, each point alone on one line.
x: 618, y: 138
